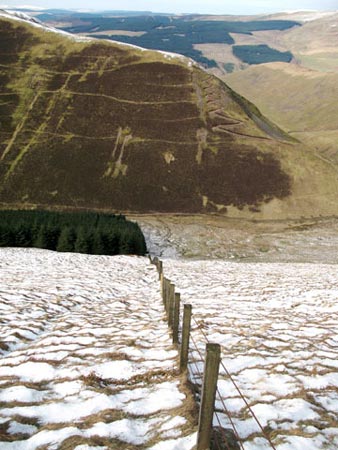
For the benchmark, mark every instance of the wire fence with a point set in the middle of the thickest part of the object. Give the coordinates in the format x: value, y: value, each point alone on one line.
x: 223, y: 436
x: 238, y: 390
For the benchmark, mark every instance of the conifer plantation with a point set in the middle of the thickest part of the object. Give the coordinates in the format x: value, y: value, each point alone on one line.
x: 93, y: 233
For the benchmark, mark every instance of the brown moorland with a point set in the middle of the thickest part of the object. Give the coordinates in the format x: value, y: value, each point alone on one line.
x: 98, y: 125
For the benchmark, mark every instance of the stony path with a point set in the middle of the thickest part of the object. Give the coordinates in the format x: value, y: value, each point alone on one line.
x: 86, y: 358
x: 278, y: 327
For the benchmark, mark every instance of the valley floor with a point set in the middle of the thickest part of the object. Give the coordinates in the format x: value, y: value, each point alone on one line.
x: 87, y: 361
x: 313, y: 240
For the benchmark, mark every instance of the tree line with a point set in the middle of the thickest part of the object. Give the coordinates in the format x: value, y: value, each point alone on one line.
x: 260, y: 54
x: 85, y: 232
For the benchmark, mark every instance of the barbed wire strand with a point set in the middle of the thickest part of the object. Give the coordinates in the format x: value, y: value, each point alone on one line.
x: 230, y: 420
x: 239, y: 392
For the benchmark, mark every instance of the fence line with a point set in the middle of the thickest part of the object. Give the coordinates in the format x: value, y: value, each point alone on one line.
x: 208, y: 436
x: 171, y: 301
x: 239, y: 392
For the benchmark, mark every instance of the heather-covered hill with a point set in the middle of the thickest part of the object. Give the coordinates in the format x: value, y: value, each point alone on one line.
x: 93, y: 124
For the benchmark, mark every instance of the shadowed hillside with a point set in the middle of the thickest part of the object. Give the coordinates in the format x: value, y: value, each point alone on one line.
x: 92, y: 124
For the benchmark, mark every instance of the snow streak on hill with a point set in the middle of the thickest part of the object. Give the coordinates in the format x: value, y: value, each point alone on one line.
x: 86, y: 356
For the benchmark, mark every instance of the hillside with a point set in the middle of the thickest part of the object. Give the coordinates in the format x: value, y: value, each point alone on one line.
x: 102, y: 125
x: 310, y: 110
x: 301, y: 97
x: 222, y: 43
x: 86, y: 360
x: 311, y: 41
x: 314, y: 44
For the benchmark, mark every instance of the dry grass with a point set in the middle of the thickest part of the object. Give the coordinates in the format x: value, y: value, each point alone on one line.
x: 112, y: 444
x: 310, y: 110
x: 151, y: 376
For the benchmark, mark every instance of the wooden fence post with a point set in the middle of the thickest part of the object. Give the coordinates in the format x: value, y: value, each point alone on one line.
x: 213, y: 352
x: 163, y: 288
x: 165, y: 293
x: 185, y: 337
x: 176, y: 318
x: 171, y: 304
x: 162, y: 284
x: 160, y: 269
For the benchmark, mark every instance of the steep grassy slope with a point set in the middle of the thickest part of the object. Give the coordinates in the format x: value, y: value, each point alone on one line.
x: 302, y: 101
x: 99, y: 125
x: 301, y: 97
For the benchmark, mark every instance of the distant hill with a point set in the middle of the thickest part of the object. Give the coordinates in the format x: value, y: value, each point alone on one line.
x: 302, y: 101
x: 301, y: 97
x: 306, y: 37
x: 99, y: 125
x: 175, y: 33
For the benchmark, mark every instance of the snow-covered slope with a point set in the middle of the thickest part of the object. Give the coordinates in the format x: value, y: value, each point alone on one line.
x: 87, y: 361
x: 86, y: 356
x: 278, y: 327
x: 23, y: 17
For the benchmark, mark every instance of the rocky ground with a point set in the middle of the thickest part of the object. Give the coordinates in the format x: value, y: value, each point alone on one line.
x: 306, y: 240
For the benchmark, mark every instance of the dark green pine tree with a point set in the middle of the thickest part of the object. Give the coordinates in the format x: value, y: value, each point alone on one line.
x: 35, y: 227
x: 138, y: 242
x: 126, y: 246
x: 98, y: 243
x: 66, y: 241
x: 112, y: 242
x: 6, y: 236
x: 53, y: 233
x: 42, y: 238
x: 83, y: 243
x: 23, y: 235
x: 84, y: 233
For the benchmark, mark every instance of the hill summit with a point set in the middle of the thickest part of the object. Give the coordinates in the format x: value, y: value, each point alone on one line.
x: 102, y: 125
